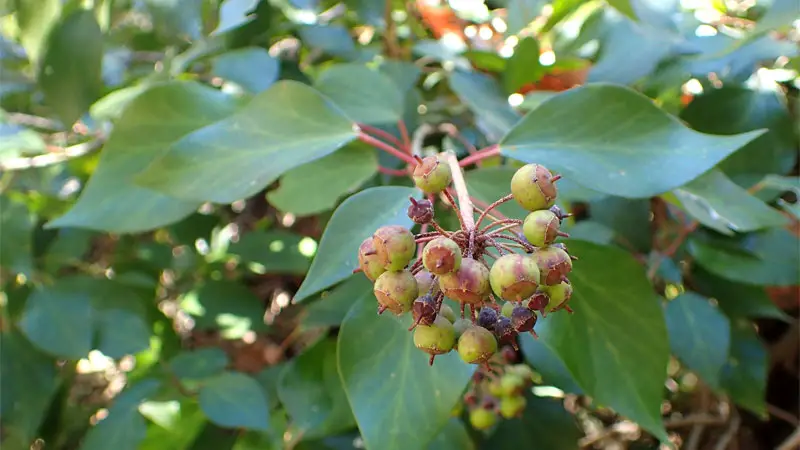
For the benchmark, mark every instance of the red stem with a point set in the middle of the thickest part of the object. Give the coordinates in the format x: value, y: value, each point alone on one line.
x: 455, y: 207
x: 386, y: 136
x: 394, y: 172
x: 424, y: 234
x: 387, y: 148
x: 493, y: 206
x: 480, y: 155
x: 404, y: 134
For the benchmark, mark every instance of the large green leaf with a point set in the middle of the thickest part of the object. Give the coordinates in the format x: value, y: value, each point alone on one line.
x: 781, y: 13
x: 150, y: 124
x: 312, y: 393
x: 70, y: 70
x: 352, y: 222
x: 775, y: 182
x: 487, y: 101
x: 124, y: 427
x: 235, y: 400
x: 225, y: 305
x: 177, y: 19
x: 616, y: 141
x: 317, y: 186
x: 331, y: 39
x: 252, y: 68
x: 699, y: 335
x: 283, y: 127
x: 16, y: 245
x: 735, y: 299
x: 744, y: 375
x: 547, y: 363
x: 544, y: 425
x: 175, y: 423
x: 615, y: 345
x: 332, y: 306
x: 198, y: 364
x: 453, y: 436
x: 364, y: 94
x: 719, y: 203
x: 55, y: 319
x: 521, y: 13
x: 398, y: 400
x: 523, y: 66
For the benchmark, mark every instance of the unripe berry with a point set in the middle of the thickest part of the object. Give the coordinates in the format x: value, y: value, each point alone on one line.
x: 437, y: 338
x: 441, y: 255
x: 424, y: 310
x: 511, y: 407
x: 469, y: 284
x: 396, y: 291
x: 420, y: 211
x: 476, y: 345
x: 447, y: 312
x: 482, y: 419
x: 523, y: 319
x: 541, y: 228
x: 395, y: 246
x: 554, y: 265
x: 424, y: 281
x: 559, y: 295
x: 461, y: 325
x: 533, y: 188
x: 487, y: 318
x: 504, y: 331
x: 369, y: 261
x: 431, y: 175
x: 514, y: 277
x: 507, y: 309
x: 522, y: 370
x: 495, y: 388
x: 511, y: 384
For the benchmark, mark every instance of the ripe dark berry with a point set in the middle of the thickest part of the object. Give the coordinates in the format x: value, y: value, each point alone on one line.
x: 469, y: 284
x: 396, y: 291
x: 447, y: 312
x: 514, y: 277
x: 533, y: 188
x: 482, y: 419
x: 539, y: 300
x: 554, y: 265
x: 523, y: 319
x: 476, y: 345
x: 559, y: 295
x: 420, y: 211
x: 369, y: 261
x: 487, y: 317
x: 395, y: 246
x: 507, y: 309
x: 437, y: 338
x: 509, y: 354
x: 511, y: 407
x: 424, y: 310
x: 431, y: 175
x: 424, y: 281
x: 541, y: 228
x: 461, y: 325
x: 441, y: 255
x: 504, y: 331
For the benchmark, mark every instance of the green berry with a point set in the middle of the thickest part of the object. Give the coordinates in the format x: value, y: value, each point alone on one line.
x: 396, y: 291
x: 447, y: 312
x: 461, y: 325
x: 482, y: 419
x: 395, y: 246
x: 437, y: 338
x: 424, y: 281
x: 469, y: 284
x: 559, y: 295
x: 495, y: 388
x: 476, y: 345
x: 533, y: 188
x: 541, y: 227
x: 432, y: 175
x: 441, y: 255
x: 369, y: 261
x: 511, y: 407
x: 507, y: 309
x: 522, y: 370
x: 554, y: 265
x: 511, y: 384
x: 514, y: 277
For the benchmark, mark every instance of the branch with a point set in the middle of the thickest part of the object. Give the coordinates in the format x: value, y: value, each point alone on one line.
x: 480, y: 155
x: 50, y: 159
x: 387, y: 148
x: 464, y: 203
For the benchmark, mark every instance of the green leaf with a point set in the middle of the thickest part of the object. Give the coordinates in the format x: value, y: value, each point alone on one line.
x: 735, y: 299
x: 28, y: 381
x: 332, y: 39
x: 16, y: 140
x: 545, y: 425
x: 70, y: 73
x: 744, y: 375
x: 150, y: 124
x: 629, y: 219
x: 404, y: 74
x: 548, y: 365
x: 16, y: 246
x: 175, y: 424
x: 453, y: 436
x: 252, y: 68
x: 35, y: 19
x: 332, y: 306
x: 613, y: 301
x: 487, y: 101
x: 398, y: 400
x: 591, y: 231
x: 785, y: 184
x: 521, y: 13
x: 277, y: 252
x: 317, y: 186
x: 235, y: 400
x: 699, y: 335
x: 352, y: 222
x: 364, y: 94
x: 772, y: 259
x: 111, y: 106
x: 312, y: 393
x: 632, y: 149
x: 177, y: 19
x: 283, y: 127
x: 124, y: 427
x: 523, y: 66
x: 719, y: 203
x: 781, y: 13
x: 199, y: 364
x: 733, y: 110
x: 225, y: 305
x: 624, y: 6
x: 233, y: 13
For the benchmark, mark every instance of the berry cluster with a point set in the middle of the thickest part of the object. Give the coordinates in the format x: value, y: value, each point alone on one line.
x: 529, y: 271
x: 497, y: 395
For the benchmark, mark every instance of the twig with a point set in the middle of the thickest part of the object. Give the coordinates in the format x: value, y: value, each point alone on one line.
x: 393, y: 172
x: 494, y: 205
x: 464, y: 203
x: 480, y: 155
x: 730, y: 432
x: 34, y: 121
x: 49, y: 159
x: 387, y: 148
x: 792, y: 442
x: 452, y: 131
x: 419, y: 138
x: 695, y: 419
x: 786, y: 416
x: 386, y: 136
x: 401, y: 125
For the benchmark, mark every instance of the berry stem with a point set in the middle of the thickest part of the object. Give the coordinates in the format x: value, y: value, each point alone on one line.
x: 440, y: 230
x: 503, y: 228
x: 423, y: 234
x: 452, y: 131
x: 386, y: 136
x: 513, y: 222
x: 480, y: 155
x: 393, y: 172
x: 401, y: 125
x: 387, y: 148
x: 494, y: 205
x: 519, y: 241
x: 453, y: 203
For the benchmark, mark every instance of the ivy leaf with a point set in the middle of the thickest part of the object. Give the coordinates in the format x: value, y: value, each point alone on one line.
x: 352, y: 222
x: 699, y: 335
x: 487, y: 101
x: 365, y: 95
x: 615, y: 345
x: 744, y: 375
x: 332, y: 39
x: 177, y: 19
x: 332, y: 306
x: 547, y: 364
x: 399, y: 402
x: 312, y: 393
x: 544, y: 425
x: 317, y: 186
x: 70, y: 73
x: 523, y: 66
x: 521, y: 13
x: 225, y: 305
x: 233, y: 13
x: 719, y: 203
x: 124, y: 427
x: 198, y: 364
x: 35, y: 19
x: 616, y: 141
x: 453, y: 436
x: 16, y: 246
x: 252, y: 68
x: 283, y: 127
x: 235, y: 400
x: 276, y: 251
x: 150, y: 124
x: 735, y: 299
x: 785, y: 184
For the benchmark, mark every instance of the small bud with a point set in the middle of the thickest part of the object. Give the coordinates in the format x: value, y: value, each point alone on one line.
x: 420, y: 211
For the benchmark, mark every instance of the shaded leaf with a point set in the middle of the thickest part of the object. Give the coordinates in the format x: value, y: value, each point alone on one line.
x: 364, y: 94
x: 629, y: 220
x: 632, y: 149
x: 521, y: 13
x: 591, y: 231
x: 744, y: 375
x: 523, y: 66
x: 233, y: 13
x: 781, y: 13
x: 177, y: 19
x: 398, y: 400
x: 332, y: 306
x: 252, y: 68
x: 50, y: 317
x: 735, y: 299
x: 35, y: 19
x: 404, y: 74
x: 198, y: 364
x: 547, y: 363
x: 16, y: 140
x: 545, y: 425
x: 487, y: 101
x: 175, y: 424
x: 331, y: 39
x: 283, y: 127
x: 235, y: 400
x: 225, y: 305
x: 16, y: 227
x: 453, y: 436
x: 273, y: 251
x: 124, y: 427
x: 352, y: 222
